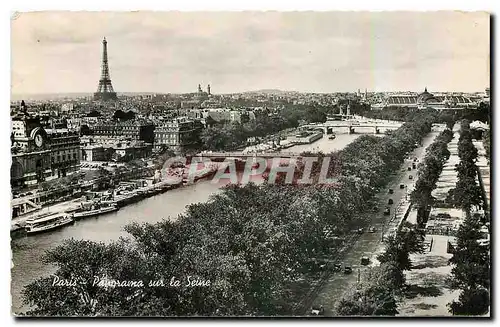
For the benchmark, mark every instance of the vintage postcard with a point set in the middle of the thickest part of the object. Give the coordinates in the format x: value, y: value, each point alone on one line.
x: 250, y: 164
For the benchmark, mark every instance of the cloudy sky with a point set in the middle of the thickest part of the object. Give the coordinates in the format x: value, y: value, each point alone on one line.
x: 172, y: 52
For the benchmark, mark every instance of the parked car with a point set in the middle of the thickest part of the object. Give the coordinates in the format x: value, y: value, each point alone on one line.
x: 336, y: 267
x: 391, y: 191
x: 365, y: 261
x: 410, y: 177
x: 360, y: 231
x: 317, y: 310
x: 401, y: 186
x: 347, y: 270
x: 409, y: 168
x: 414, y: 166
x: 387, y: 211
x: 390, y: 201
x: 372, y: 230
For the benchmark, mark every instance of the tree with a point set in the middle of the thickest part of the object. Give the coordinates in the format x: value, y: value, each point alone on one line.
x: 470, y: 258
x: 375, y: 298
x: 472, y: 302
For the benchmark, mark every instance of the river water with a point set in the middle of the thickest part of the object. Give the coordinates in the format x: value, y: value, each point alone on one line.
x: 27, y: 251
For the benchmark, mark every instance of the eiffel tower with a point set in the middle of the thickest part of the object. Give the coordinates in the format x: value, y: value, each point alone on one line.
x: 105, y: 90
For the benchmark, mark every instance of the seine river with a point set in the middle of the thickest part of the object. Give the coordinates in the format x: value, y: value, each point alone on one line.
x: 28, y: 250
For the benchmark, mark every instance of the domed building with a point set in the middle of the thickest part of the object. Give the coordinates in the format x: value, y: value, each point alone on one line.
x: 428, y: 100
x: 425, y: 97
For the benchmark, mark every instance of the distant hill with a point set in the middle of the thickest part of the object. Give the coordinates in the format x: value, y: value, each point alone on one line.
x: 47, y: 96
x: 268, y: 91
x: 57, y: 96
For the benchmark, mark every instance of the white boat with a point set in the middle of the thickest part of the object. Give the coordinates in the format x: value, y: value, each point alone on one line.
x: 95, y: 212
x: 48, y: 221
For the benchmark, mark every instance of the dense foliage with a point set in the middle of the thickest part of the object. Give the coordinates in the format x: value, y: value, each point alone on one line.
x: 467, y: 192
x: 375, y: 298
x: 471, y: 270
x: 471, y: 256
x: 378, y: 295
x: 428, y: 174
x: 486, y: 144
x: 248, y: 241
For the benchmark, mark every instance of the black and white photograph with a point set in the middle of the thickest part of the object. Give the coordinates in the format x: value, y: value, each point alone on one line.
x: 297, y: 164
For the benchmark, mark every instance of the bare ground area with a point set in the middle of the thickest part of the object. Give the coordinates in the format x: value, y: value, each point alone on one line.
x: 428, y: 292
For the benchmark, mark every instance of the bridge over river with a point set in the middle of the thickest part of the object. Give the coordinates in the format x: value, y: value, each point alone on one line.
x: 354, y: 127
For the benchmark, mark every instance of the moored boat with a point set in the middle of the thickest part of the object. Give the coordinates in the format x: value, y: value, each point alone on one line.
x: 96, y: 210
x: 47, y: 222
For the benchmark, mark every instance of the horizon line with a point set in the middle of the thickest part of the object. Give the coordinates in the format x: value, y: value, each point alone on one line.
x: 249, y: 91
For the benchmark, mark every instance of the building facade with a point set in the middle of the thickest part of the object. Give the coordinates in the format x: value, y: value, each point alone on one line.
x: 178, y: 133
x: 126, y: 151
x: 40, y: 154
x: 65, y: 152
x: 134, y: 130
x: 94, y: 153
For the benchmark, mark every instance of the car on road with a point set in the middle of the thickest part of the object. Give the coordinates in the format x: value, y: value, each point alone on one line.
x: 360, y: 231
x: 336, y: 267
x: 390, y: 201
x: 365, y: 261
x: 410, y: 177
x: 387, y: 211
x: 317, y: 310
x: 401, y: 186
x: 372, y: 230
x: 347, y: 270
x: 391, y: 191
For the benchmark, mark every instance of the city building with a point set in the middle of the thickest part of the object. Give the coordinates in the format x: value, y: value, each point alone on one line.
x: 130, y: 150
x: 39, y: 154
x: 65, y: 154
x: 30, y: 152
x: 138, y: 130
x: 425, y: 100
x: 95, y: 152
x: 178, y: 133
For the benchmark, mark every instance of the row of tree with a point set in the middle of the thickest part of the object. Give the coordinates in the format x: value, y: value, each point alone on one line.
x: 378, y: 295
x: 428, y: 174
x: 471, y: 257
x: 467, y: 192
x: 250, y: 243
x: 486, y: 144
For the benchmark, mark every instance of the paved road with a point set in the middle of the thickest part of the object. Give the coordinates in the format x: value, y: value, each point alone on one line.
x: 370, y: 244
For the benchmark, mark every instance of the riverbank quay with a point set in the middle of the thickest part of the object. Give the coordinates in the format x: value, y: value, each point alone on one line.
x: 17, y: 223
